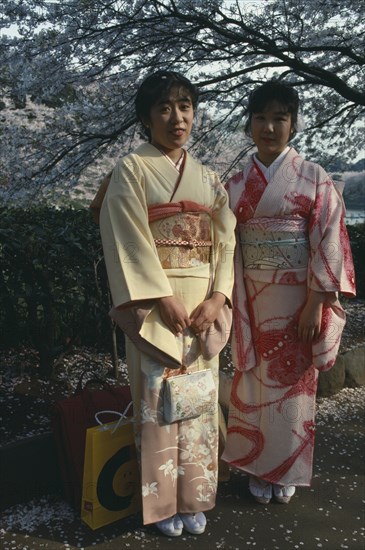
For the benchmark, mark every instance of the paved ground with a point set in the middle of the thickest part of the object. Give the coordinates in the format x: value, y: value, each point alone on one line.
x: 327, y: 516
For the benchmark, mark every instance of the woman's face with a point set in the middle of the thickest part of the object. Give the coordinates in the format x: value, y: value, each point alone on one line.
x: 170, y: 122
x: 271, y: 130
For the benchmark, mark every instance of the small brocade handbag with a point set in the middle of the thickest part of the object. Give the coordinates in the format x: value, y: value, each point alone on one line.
x: 188, y: 396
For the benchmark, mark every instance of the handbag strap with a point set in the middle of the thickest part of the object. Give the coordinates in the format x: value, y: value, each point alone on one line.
x: 122, y: 416
x: 168, y: 373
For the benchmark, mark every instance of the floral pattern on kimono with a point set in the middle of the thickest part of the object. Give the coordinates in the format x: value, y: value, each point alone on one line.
x: 178, y: 461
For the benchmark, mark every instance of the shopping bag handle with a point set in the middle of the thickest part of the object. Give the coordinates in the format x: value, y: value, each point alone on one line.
x: 94, y: 380
x: 122, y: 416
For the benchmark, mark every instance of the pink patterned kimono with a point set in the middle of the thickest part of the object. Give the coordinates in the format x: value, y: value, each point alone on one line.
x: 291, y: 237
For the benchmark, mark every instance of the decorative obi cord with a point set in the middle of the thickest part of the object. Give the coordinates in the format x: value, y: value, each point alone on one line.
x: 274, y: 243
x: 182, y: 233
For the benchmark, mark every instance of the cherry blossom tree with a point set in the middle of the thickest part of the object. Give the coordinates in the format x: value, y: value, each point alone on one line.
x: 71, y: 72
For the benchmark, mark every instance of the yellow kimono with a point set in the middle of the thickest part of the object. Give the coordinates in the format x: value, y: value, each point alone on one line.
x: 188, y: 255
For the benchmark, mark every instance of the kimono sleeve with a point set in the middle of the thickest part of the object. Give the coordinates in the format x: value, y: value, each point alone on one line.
x: 331, y: 267
x: 134, y: 270
x: 224, y: 222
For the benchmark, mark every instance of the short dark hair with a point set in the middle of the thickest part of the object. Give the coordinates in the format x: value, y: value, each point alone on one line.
x: 273, y: 90
x: 159, y: 85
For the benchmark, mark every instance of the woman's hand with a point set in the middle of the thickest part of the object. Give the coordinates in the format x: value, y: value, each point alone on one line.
x: 310, y: 319
x: 173, y: 314
x: 206, y: 313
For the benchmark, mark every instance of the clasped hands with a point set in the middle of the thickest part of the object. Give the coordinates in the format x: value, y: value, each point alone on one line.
x: 174, y: 315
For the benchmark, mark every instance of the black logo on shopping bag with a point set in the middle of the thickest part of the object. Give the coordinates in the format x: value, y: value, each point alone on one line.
x: 107, y: 496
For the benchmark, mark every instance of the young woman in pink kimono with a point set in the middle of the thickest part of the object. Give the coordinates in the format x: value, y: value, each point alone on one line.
x: 292, y: 258
x: 168, y: 240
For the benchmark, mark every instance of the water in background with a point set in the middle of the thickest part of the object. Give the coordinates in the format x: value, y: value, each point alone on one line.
x: 354, y: 216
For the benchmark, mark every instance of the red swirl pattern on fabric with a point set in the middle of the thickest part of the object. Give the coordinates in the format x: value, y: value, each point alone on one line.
x: 275, y: 475
x: 255, y: 186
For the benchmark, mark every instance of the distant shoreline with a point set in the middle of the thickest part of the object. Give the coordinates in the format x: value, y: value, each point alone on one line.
x: 355, y: 215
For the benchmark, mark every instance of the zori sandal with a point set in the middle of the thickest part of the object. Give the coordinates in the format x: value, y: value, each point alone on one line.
x: 171, y: 527
x: 194, y: 523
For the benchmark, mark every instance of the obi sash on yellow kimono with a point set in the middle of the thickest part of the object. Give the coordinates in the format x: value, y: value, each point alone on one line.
x: 133, y: 257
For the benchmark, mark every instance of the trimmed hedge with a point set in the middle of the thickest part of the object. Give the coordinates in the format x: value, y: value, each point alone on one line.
x: 53, y: 284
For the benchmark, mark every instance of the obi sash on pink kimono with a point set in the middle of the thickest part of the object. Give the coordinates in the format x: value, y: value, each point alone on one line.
x: 287, y: 237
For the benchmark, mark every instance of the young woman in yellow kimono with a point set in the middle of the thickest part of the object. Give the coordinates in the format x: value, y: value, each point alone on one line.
x: 292, y: 258
x: 168, y: 240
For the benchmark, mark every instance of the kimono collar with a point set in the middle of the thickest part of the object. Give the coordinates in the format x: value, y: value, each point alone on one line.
x: 269, y: 171
x: 179, y: 165
x: 153, y: 156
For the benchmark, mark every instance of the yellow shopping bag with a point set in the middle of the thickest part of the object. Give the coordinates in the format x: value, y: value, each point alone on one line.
x: 111, y: 481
